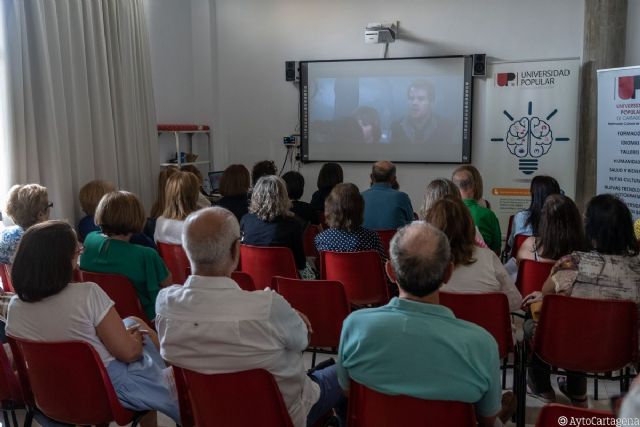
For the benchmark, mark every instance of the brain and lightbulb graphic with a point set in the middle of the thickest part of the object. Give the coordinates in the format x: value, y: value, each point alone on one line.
x: 529, y: 138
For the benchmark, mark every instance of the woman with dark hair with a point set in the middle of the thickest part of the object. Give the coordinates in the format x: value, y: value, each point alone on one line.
x: 263, y: 168
x: 344, y: 213
x: 610, y: 270
x: 295, y: 189
x: 330, y: 175
x: 526, y: 221
x: 48, y: 307
x: 476, y: 269
x: 234, y: 188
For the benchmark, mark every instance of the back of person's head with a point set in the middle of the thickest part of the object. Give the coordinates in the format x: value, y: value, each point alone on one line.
x: 560, y: 231
x: 44, y: 261
x: 383, y: 171
x: 269, y: 198
x: 158, y: 205
x: 194, y: 170
x: 476, y: 180
x: 120, y: 213
x: 420, y: 255
x: 344, y: 207
x: 92, y: 192
x: 329, y: 176
x: 295, y: 184
x: 436, y: 190
x: 209, y: 236
x: 542, y: 186
x: 235, y: 181
x: 609, y: 226
x: 452, y: 217
x: 263, y: 168
x: 27, y: 204
x: 464, y: 180
x: 181, y: 195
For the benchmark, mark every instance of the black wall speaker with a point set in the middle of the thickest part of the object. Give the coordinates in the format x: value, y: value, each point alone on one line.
x: 479, y: 65
x: 290, y: 70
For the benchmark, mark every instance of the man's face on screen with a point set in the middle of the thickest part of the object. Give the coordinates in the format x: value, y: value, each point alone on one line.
x: 419, y: 105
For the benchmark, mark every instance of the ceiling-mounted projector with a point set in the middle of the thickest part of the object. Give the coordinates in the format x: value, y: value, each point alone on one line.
x: 379, y: 33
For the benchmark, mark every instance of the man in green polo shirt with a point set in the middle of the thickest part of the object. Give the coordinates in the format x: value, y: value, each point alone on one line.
x: 414, y: 346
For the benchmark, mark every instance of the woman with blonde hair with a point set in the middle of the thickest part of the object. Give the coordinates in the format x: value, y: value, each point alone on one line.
x: 181, y: 198
x: 158, y: 205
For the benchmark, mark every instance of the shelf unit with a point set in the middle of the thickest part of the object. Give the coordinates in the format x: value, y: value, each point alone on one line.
x: 189, y: 130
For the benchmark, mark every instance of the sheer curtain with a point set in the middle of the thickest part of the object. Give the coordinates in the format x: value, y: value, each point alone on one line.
x: 79, y: 98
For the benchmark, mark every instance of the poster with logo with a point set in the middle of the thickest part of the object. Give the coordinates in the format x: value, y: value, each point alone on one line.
x: 527, y: 127
x: 618, y: 169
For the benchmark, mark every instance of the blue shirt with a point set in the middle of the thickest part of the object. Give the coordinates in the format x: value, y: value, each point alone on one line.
x: 9, y: 239
x: 359, y: 239
x: 386, y: 208
x: 421, y: 350
x: 519, y: 227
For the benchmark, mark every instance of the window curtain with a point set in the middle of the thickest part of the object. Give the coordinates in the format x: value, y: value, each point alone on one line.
x: 79, y: 98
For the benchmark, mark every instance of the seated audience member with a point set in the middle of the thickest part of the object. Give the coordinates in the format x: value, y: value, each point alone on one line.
x: 475, y: 269
x: 483, y: 218
x: 234, y: 188
x: 158, y: 205
x: 261, y: 326
x: 610, y: 270
x: 295, y: 188
x: 26, y: 205
x: 560, y: 232
x: 411, y: 345
x: 203, y: 201
x: 330, y: 175
x: 50, y: 308
x: 181, y: 198
x: 436, y: 190
x: 478, y: 187
x: 526, y: 221
x: 269, y: 222
x: 343, y: 210
x: 385, y: 208
x: 90, y: 195
x: 263, y: 168
x: 119, y: 215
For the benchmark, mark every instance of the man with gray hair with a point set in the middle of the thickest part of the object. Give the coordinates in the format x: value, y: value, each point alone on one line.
x: 211, y: 326
x: 412, y: 346
x: 385, y: 207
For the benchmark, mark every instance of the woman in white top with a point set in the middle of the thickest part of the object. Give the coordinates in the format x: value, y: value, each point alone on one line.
x: 476, y: 270
x: 181, y: 198
x: 48, y: 307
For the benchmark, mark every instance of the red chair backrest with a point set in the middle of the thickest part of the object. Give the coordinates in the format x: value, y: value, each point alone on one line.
x: 120, y: 289
x: 243, y: 280
x: 532, y: 275
x: 324, y: 302
x: 490, y: 311
x: 551, y: 413
x: 238, y: 399
x: 369, y: 408
x: 308, y: 239
x: 385, y: 238
x: 587, y: 335
x: 518, y: 240
x: 69, y: 382
x: 361, y: 273
x: 5, y: 275
x: 264, y: 262
x: 9, y: 385
x: 176, y: 261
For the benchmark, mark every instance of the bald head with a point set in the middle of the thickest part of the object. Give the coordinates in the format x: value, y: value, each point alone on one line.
x: 420, y: 256
x: 383, y: 171
x: 210, y: 238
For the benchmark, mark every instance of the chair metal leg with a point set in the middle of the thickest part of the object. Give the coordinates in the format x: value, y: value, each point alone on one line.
x: 313, y: 359
x: 28, y: 419
x: 522, y: 384
x: 595, y: 389
x: 15, y: 419
x: 504, y: 372
x: 6, y: 418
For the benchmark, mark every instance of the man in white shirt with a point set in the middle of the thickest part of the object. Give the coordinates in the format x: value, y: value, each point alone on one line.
x: 211, y: 326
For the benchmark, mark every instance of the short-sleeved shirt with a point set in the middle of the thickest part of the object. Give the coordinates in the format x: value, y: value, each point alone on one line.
x: 386, y: 208
x: 487, y: 223
x: 519, y: 226
x: 283, y: 231
x: 142, y: 265
x: 359, y: 239
x: 421, y: 350
x: 71, y: 314
x: 9, y: 239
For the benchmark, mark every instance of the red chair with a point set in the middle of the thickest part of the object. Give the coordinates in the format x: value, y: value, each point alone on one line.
x: 176, y: 260
x: 369, y: 408
x: 532, y: 275
x: 518, y: 240
x: 5, y: 275
x: 238, y: 399
x: 243, y: 280
x: 385, y: 238
x: 10, y: 391
x: 263, y: 262
x: 506, y: 251
x: 120, y: 289
x: 69, y: 383
x: 361, y: 273
x: 551, y: 413
x: 324, y: 303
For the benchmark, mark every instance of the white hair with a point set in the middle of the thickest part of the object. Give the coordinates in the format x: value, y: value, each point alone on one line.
x: 212, y: 247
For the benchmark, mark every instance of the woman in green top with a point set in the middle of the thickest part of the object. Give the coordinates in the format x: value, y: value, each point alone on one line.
x: 119, y: 215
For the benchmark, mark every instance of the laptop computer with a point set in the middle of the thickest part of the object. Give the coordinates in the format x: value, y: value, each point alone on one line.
x: 214, y: 180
